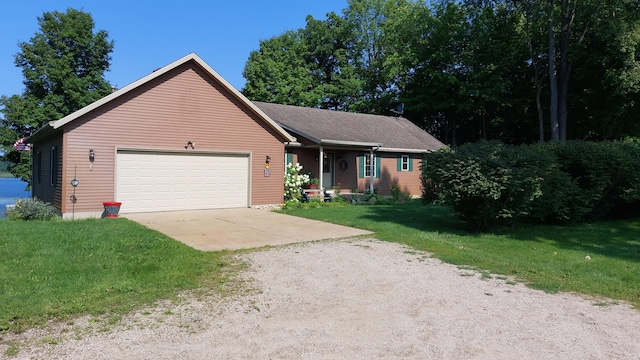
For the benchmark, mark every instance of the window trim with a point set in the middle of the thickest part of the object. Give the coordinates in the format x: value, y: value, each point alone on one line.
x: 38, y: 169
x: 404, y: 163
x: 368, y: 167
x: 53, y: 166
x: 364, y: 159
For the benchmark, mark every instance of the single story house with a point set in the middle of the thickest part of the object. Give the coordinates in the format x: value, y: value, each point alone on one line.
x: 183, y: 138
x: 353, y: 151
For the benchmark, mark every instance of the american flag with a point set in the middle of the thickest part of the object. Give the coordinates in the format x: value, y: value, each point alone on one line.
x: 20, y: 145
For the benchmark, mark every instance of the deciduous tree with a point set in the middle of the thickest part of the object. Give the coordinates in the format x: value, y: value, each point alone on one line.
x: 63, y: 66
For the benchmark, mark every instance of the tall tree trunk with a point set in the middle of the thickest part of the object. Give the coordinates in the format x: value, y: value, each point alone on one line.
x: 536, y: 78
x: 539, y: 106
x: 553, y: 78
x: 565, y: 67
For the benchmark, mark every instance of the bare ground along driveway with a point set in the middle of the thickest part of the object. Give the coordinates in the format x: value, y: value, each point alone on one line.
x: 354, y: 299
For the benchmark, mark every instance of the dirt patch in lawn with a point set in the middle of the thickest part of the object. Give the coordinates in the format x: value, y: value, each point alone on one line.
x: 353, y: 299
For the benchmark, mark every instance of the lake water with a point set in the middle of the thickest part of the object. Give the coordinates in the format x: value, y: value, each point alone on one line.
x: 11, y: 190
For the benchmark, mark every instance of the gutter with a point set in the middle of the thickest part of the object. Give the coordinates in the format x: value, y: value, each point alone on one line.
x: 350, y: 143
x: 403, y: 150
x: 46, y: 129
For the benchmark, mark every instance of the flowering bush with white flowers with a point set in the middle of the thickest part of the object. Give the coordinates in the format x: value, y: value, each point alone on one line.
x: 293, y: 180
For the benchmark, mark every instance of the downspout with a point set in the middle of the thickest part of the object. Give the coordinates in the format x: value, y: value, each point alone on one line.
x: 372, y: 172
x: 321, y: 167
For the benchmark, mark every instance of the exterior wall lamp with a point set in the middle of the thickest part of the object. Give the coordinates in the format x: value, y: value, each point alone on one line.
x: 92, y: 158
x: 267, y: 170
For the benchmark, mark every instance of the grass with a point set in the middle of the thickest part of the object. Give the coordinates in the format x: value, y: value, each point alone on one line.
x: 601, y: 259
x: 59, y: 269
x: 5, y: 174
x: 109, y: 267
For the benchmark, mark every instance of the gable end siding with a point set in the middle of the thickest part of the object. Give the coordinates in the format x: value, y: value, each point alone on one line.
x: 181, y: 106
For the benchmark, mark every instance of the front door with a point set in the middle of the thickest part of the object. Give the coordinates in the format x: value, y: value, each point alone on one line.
x: 327, y: 171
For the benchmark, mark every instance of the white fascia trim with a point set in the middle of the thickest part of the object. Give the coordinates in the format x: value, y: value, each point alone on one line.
x: 292, y: 144
x: 349, y: 143
x: 401, y: 150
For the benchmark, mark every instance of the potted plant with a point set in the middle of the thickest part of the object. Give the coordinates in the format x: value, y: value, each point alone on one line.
x: 314, y: 183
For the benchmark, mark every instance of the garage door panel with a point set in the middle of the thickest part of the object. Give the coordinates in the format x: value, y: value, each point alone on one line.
x: 148, y: 181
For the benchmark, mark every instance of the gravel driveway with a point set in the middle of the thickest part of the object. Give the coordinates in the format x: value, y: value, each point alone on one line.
x: 356, y: 299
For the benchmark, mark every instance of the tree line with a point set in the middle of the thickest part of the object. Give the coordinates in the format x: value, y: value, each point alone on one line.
x: 510, y: 70
x: 467, y: 70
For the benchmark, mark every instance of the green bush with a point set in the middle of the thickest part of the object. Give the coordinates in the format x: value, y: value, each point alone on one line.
x: 606, y: 175
x: 398, y: 194
x: 485, y: 183
x: 314, y: 204
x: 31, y: 209
x: 489, y: 183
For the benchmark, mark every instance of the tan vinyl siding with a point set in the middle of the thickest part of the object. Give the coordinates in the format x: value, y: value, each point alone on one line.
x: 408, y: 180
x: 181, y: 106
x: 389, y: 175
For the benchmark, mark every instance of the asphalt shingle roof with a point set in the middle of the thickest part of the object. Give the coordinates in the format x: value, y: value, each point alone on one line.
x: 329, y: 125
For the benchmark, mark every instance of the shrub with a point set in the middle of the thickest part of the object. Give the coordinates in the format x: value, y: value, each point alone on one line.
x: 375, y: 199
x: 31, y: 209
x: 293, y: 180
x: 605, y: 176
x: 485, y: 183
x: 490, y: 183
x: 314, y: 204
x: 399, y: 195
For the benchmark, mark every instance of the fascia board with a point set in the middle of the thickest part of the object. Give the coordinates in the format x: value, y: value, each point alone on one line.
x: 349, y: 143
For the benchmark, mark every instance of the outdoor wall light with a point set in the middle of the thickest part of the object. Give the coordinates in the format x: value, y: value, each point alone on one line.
x: 92, y: 158
x: 268, y: 159
x: 74, y: 182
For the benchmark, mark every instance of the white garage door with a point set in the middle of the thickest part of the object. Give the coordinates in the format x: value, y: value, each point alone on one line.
x: 151, y: 181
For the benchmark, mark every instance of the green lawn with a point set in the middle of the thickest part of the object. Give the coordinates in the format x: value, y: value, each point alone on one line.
x: 601, y: 259
x: 58, y: 269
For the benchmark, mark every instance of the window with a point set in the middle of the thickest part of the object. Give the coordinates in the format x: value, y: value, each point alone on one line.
x: 405, y: 163
x: 366, y: 167
x: 53, y: 166
x: 38, y: 168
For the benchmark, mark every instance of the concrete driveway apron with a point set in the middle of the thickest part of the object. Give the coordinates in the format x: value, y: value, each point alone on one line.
x: 243, y: 228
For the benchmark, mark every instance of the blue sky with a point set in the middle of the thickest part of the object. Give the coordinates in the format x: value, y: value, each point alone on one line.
x: 152, y: 34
